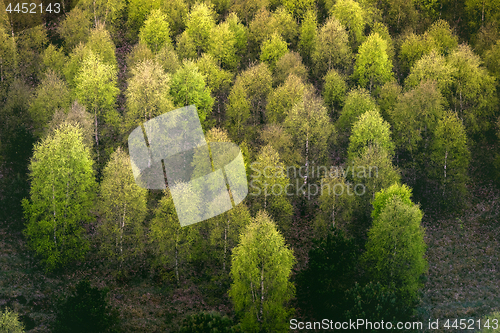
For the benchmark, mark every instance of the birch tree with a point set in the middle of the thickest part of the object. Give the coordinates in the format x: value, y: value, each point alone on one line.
x: 261, y: 268
x: 123, y: 208
x: 61, y: 197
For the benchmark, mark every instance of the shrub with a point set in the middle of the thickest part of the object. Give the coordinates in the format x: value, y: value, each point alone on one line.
x: 9, y: 322
x: 207, y: 322
x: 86, y: 311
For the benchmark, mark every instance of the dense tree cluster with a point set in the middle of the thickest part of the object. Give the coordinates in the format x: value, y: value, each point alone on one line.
x: 353, y: 117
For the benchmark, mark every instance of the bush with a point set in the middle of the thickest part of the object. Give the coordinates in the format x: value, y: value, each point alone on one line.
x: 208, y: 323
x: 491, y: 322
x: 9, y: 322
x: 374, y: 303
x: 86, y: 311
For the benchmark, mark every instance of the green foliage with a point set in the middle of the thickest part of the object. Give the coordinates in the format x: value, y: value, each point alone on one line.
x: 473, y: 93
x: 8, y: 61
x: 61, y: 197
x: 283, y: 98
x: 54, y: 59
x: 101, y: 44
x: 289, y: 64
x: 87, y: 310
x: 211, y: 322
x: 104, y: 12
x: 50, y: 95
x: 30, y: 46
x: 336, y: 203
x: 269, y: 186
x: 140, y: 52
x: 492, y: 320
x: 310, y: 128
x: 155, y: 32
x: 334, y: 90
x: 331, y: 270
x: 9, y: 322
x: 492, y: 60
x: 218, y: 80
x: 75, y: 28
x: 298, y: 8
x: 432, y: 67
x: 373, y: 67
x: 240, y: 33
x: 247, y: 9
x: 388, y: 97
x: 96, y: 89
x: 373, y: 171
x: 137, y: 12
x: 415, y: 116
x: 147, y: 94
x: 373, y: 303
x: 286, y: 26
x: 370, y: 129
x: 171, y: 243
x: 77, y: 116
x: 199, y: 26
x: 176, y: 11
x: 276, y: 136
x: 261, y: 268
x: 357, y: 102
x: 307, y: 38
x: 444, y: 39
x: 383, y: 197
x: 123, y: 208
x: 395, y: 249
x: 450, y: 158
x: 168, y: 59
x: 353, y: 18
x: 273, y: 49
x: 413, y: 48
x: 247, y: 100
x: 188, y: 87
x: 331, y: 48
x: 223, y: 46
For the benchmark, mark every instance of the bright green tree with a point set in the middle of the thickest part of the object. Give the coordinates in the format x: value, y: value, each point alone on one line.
x: 177, y: 12
x: 223, y: 46
x: 373, y: 67
x: 54, y: 59
x: 199, y: 26
x: 147, y: 94
x: 101, y: 44
x: 492, y: 60
x: 307, y: 38
x: 369, y: 129
x: 273, y: 49
x: 385, y: 195
x: 137, y: 12
x: 50, y: 95
x: 247, y: 9
x: 353, y: 18
x: 450, y: 157
x: 8, y: 62
x: 282, y: 142
x: 334, y: 90
x: 269, y: 186
x: 248, y: 99
x: 413, y: 48
x: 357, y: 102
x: 311, y: 129
x: 283, y: 98
x: 331, y: 48
x: 168, y: 59
x: 155, y: 32
x: 388, y: 97
x: 218, y: 80
x: 473, y: 94
x: 395, y: 249
x: 261, y: 268
x: 172, y: 244
x: 188, y: 87
x: 123, y: 208
x: 61, y: 197
x: 298, y: 7
x: 444, y: 39
x: 96, y: 89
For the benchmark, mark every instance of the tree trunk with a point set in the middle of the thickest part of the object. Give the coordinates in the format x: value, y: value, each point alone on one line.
x: 225, y: 245
x: 54, y: 207
x: 176, y: 263
x: 262, y: 293
x: 307, y: 158
x: 96, y: 135
x: 445, y: 161
x: 121, y: 233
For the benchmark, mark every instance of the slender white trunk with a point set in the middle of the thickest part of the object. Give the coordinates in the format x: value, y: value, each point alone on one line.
x: 307, y: 158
